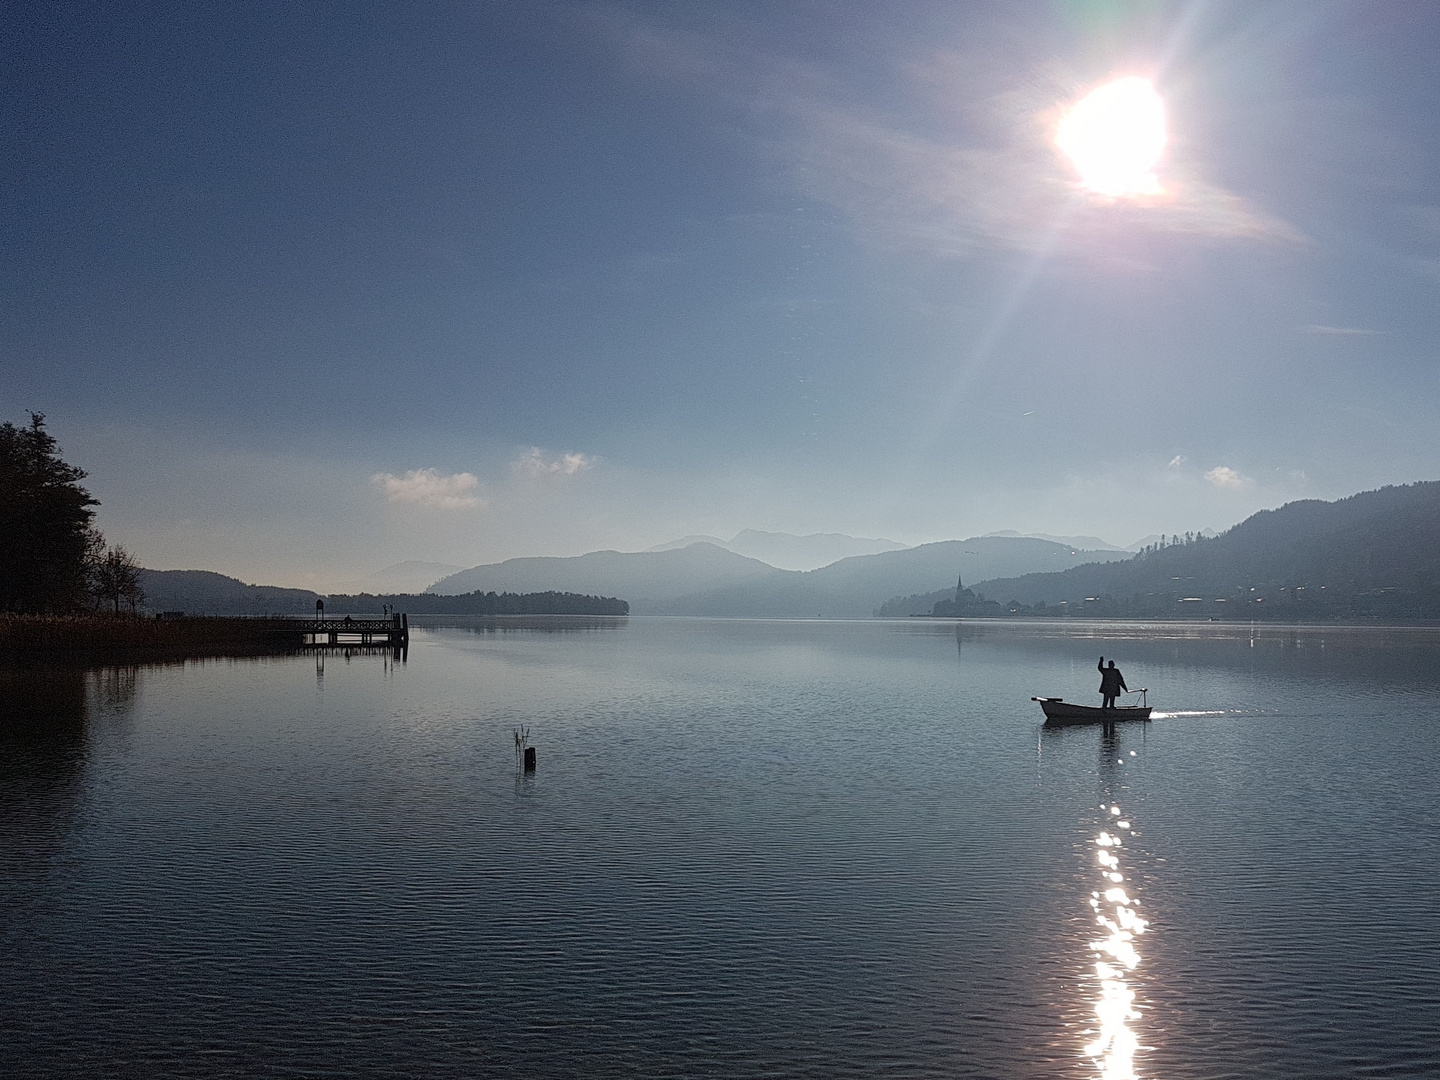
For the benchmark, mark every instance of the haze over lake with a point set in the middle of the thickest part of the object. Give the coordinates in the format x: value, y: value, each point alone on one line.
x: 750, y: 848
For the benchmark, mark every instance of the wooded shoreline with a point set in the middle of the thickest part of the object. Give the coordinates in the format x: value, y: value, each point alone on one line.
x: 101, y: 636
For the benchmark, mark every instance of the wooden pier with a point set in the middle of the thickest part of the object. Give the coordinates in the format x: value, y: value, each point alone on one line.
x: 393, y: 632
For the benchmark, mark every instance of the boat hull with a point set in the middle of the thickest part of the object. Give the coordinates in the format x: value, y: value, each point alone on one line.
x: 1059, y: 712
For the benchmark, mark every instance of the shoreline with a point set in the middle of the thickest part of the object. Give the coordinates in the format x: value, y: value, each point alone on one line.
x: 35, y: 637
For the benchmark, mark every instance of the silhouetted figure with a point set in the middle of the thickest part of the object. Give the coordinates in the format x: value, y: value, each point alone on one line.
x: 1111, y: 683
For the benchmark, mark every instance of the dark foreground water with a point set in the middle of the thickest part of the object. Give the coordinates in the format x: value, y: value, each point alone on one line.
x: 750, y: 849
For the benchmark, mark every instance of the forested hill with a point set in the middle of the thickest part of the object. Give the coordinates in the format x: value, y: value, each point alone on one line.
x: 480, y: 603
x: 642, y: 577
x: 202, y: 592
x: 1373, y: 555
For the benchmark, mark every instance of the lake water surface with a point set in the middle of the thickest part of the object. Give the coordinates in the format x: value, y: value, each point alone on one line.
x: 750, y: 849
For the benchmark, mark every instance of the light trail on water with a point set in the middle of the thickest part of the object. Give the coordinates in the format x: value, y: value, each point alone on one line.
x: 1116, y: 956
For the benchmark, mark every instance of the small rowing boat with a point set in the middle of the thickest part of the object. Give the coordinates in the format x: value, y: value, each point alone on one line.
x: 1059, y: 711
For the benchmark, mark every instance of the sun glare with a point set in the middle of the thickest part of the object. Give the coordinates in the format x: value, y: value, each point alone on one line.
x: 1114, y: 136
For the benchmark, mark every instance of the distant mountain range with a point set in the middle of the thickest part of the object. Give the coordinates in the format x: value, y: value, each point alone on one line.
x: 698, y: 579
x: 856, y: 587
x: 478, y: 603
x: 202, y: 592
x: 1373, y: 555
x: 705, y: 579
x: 410, y: 576
x: 1088, y: 543
x: 645, y: 578
x: 1092, y: 543
x: 1376, y: 554
x: 787, y: 551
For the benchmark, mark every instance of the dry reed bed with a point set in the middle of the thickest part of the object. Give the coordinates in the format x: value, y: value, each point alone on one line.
x: 29, y: 635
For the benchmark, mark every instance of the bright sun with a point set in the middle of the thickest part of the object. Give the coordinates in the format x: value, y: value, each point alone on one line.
x: 1114, y: 136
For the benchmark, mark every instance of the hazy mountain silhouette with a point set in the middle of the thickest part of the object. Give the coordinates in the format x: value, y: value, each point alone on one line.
x: 202, y: 592
x: 788, y: 551
x: 1375, y: 553
x: 856, y: 587
x: 1087, y: 543
x: 410, y: 576
x: 477, y: 603
x: 686, y: 541
x: 810, y: 552
x: 703, y: 579
x: 645, y: 578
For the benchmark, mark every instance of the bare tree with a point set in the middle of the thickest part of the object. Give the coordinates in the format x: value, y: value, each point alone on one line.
x: 115, y: 576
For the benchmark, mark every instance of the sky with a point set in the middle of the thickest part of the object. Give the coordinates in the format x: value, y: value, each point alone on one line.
x: 309, y: 289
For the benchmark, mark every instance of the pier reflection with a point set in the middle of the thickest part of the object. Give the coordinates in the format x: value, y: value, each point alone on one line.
x: 390, y: 655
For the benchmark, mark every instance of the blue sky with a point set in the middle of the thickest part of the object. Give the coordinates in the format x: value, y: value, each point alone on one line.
x: 311, y: 289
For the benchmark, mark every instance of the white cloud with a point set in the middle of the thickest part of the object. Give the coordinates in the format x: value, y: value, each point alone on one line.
x: 431, y: 489
x: 971, y: 165
x: 1222, y: 476
x: 1007, y: 190
x: 534, y: 464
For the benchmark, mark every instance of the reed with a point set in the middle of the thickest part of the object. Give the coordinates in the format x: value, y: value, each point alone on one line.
x: 58, y: 635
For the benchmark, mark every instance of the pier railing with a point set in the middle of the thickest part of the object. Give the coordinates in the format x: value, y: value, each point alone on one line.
x: 394, y: 631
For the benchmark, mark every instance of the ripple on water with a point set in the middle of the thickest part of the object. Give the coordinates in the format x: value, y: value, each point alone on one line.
x: 749, y: 850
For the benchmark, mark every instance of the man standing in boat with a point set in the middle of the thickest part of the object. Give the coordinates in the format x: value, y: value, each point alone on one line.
x: 1111, y: 683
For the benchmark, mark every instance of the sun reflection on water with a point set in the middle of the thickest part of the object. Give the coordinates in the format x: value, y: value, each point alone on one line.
x: 1114, y: 1046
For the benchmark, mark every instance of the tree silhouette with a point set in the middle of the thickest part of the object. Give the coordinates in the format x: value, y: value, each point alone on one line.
x: 115, y: 576
x: 46, y: 537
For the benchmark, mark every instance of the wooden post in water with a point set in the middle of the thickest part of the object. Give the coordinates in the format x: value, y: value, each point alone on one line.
x: 530, y: 759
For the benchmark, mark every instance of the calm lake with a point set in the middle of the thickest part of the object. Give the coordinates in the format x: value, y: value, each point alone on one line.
x: 750, y: 848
